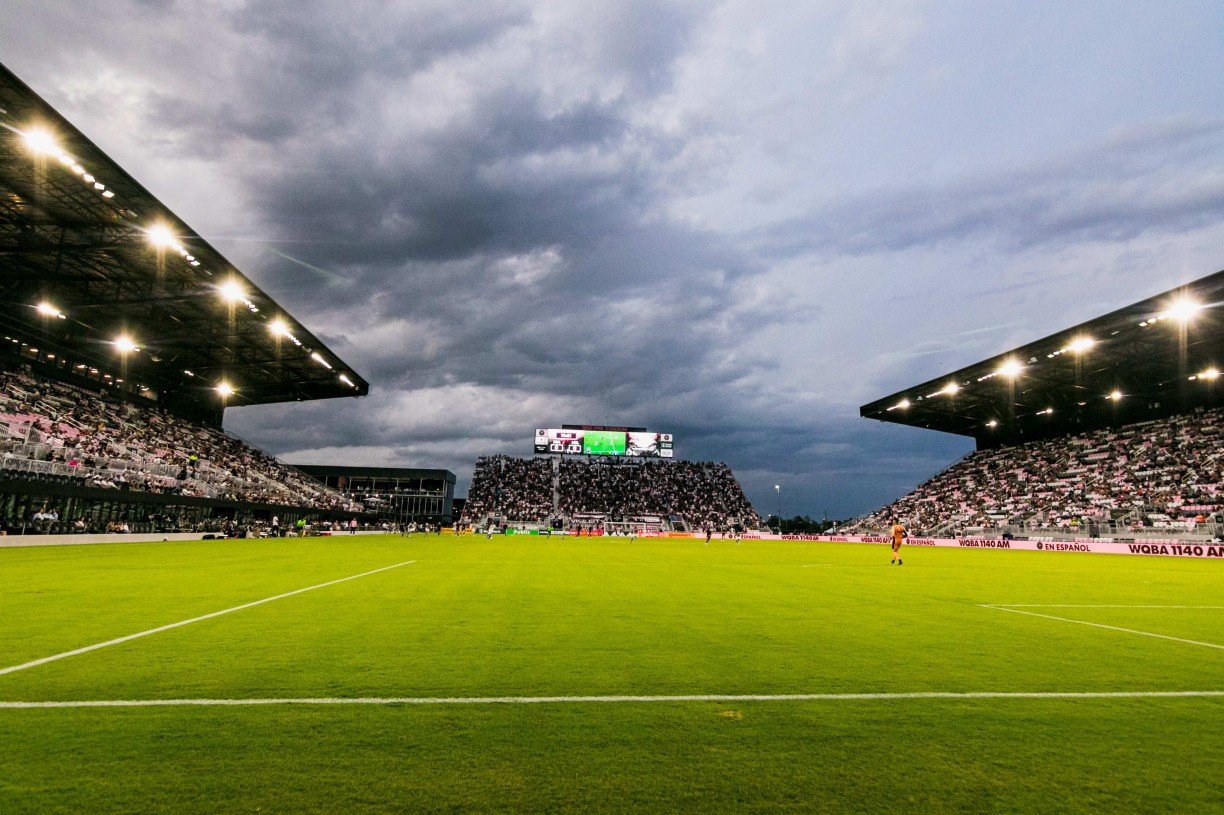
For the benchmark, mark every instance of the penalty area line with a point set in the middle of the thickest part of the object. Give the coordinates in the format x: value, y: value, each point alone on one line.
x: 86, y: 649
x: 1107, y: 627
x: 561, y: 700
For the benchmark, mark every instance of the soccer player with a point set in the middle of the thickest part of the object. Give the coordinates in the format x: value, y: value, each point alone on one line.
x: 899, y: 534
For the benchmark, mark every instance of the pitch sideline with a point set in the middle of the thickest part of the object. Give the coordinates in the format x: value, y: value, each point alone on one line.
x: 556, y: 700
x: 181, y: 623
x: 1014, y: 610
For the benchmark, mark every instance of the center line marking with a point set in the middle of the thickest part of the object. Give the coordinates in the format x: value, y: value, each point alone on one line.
x: 1102, y: 625
x: 180, y: 623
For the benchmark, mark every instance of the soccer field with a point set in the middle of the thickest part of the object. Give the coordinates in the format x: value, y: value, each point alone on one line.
x: 368, y: 674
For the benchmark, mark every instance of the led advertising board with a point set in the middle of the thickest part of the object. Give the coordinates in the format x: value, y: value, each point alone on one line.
x: 601, y: 442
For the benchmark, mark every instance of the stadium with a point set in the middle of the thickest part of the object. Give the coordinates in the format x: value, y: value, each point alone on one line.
x: 194, y: 625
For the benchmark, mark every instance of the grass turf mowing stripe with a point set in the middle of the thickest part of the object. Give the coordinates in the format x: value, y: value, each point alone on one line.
x: 548, y: 700
x: 181, y: 623
x: 1108, y: 627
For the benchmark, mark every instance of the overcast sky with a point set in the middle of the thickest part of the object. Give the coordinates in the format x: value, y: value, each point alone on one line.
x: 733, y: 221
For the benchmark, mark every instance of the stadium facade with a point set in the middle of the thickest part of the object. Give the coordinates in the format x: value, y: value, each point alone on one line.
x: 113, y: 309
x: 401, y: 495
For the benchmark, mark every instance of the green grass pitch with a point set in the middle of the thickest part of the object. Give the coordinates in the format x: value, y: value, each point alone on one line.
x: 519, y: 617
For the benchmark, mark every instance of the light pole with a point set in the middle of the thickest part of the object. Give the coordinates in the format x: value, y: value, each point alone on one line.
x: 778, y: 496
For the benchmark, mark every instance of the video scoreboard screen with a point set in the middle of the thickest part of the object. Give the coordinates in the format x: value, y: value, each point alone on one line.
x: 600, y: 441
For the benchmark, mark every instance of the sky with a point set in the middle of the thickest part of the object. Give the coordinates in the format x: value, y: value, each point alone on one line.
x: 732, y: 221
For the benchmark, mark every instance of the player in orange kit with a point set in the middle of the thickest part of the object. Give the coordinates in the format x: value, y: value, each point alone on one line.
x: 899, y: 534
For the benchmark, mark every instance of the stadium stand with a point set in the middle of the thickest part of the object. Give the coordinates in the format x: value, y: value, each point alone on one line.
x: 126, y: 337
x: 1165, y: 475
x: 57, y: 430
x: 603, y: 493
x: 1114, y: 427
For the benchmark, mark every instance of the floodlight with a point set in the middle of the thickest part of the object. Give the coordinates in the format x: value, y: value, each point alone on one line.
x: 1115, y: 395
x: 225, y: 389
x: 321, y: 361
x: 993, y: 423
x: 41, y: 142
x: 347, y: 381
x: 1080, y: 344
x: 160, y: 236
x: 231, y: 291
x: 279, y: 327
x: 47, y: 310
x: 1183, y: 310
x: 1210, y: 373
x: 1010, y: 369
x: 950, y: 389
x: 124, y: 344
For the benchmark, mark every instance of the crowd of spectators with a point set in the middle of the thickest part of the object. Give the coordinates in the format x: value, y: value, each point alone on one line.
x: 701, y: 495
x: 512, y: 488
x: 1167, y: 473
x: 97, y: 440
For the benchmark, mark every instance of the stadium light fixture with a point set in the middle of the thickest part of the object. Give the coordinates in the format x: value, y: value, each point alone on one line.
x: 279, y: 328
x: 1080, y: 344
x: 1210, y: 374
x: 347, y: 381
x: 124, y: 344
x: 1114, y: 395
x: 1010, y: 369
x: 993, y: 423
x: 46, y: 309
x: 159, y: 236
x: 902, y: 405
x: 1182, y: 310
x: 950, y: 389
x: 315, y: 356
x: 41, y: 142
x: 225, y: 389
x: 231, y: 291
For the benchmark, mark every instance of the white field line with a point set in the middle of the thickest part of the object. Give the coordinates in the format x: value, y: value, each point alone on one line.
x: 180, y: 623
x: 1084, y: 605
x: 1107, y: 627
x: 561, y: 700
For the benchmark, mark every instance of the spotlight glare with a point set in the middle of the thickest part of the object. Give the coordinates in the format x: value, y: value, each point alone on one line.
x: 47, y: 310
x: 951, y: 389
x: 160, y: 236
x: 1115, y: 395
x: 225, y: 389
x: 1183, y: 310
x: 1010, y: 369
x: 1210, y: 373
x: 41, y: 142
x: 1081, y: 344
x: 124, y: 344
x: 231, y: 291
x: 993, y: 423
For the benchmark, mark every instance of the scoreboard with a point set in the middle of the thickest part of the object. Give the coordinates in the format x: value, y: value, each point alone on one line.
x: 604, y: 441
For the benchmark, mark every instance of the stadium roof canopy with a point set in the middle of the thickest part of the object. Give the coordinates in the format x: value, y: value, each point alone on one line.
x: 1159, y: 356
x: 89, y: 256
